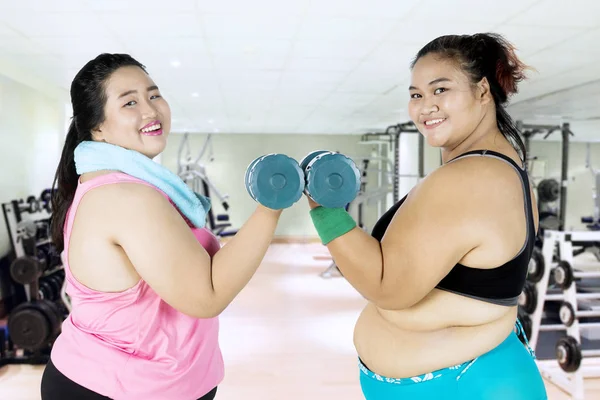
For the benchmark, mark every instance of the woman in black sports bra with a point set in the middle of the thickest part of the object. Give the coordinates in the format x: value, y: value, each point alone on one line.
x: 443, y: 268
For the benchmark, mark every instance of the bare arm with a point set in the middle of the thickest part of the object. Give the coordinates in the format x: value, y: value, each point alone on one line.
x: 442, y: 220
x: 238, y: 260
x: 165, y: 253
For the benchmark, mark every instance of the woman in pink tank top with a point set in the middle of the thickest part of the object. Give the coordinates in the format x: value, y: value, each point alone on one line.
x: 146, y: 287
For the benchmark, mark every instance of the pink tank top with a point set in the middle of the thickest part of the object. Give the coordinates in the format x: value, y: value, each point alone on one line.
x: 132, y: 345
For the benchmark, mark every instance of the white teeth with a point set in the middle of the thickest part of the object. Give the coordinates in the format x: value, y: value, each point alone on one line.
x: 152, y: 128
x: 434, y: 121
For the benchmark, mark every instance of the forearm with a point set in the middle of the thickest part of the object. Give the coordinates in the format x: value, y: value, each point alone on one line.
x: 357, y: 254
x: 234, y: 265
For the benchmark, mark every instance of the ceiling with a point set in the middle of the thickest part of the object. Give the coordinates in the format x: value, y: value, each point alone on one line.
x: 301, y: 66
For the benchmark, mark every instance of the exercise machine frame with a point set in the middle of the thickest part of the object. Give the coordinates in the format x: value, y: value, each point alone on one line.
x: 530, y: 130
x: 392, y: 135
x: 193, y: 173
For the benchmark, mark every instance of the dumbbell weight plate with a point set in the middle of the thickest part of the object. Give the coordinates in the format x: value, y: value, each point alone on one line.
x: 563, y: 275
x: 566, y: 313
x: 332, y: 180
x: 548, y: 190
x: 34, y: 205
x: 307, y: 160
x: 43, y: 255
x: 25, y: 270
x: 46, y: 198
x: 46, y: 290
x: 528, y: 298
x: 275, y: 181
x: 53, y: 314
x: 56, y: 283
x: 309, y: 157
x: 28, y: 327
x: 536, y: 266
x: 53, y: 257
x: 247, y: 176
x: 568, y: 353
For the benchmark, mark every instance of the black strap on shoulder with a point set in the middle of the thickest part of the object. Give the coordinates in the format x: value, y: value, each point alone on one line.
x: 491, y: 153
x: 524, y: 180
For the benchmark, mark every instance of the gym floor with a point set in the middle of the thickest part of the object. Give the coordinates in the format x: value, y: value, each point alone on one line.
x: 287, y: 312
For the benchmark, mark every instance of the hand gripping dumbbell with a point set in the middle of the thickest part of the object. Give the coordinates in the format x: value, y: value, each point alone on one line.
x: 275, y: 181
x: 331, y: 179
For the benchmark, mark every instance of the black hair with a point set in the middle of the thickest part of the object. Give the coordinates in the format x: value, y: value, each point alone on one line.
x: 88, y: 98
x: 491, y: 56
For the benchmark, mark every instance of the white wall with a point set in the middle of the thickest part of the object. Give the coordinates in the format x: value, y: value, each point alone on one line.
x: 31, y: 128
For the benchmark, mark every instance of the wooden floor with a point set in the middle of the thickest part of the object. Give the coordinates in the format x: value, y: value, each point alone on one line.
x: 288, y: 335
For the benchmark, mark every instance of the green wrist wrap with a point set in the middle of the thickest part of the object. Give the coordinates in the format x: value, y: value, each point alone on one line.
x: 331, y: 223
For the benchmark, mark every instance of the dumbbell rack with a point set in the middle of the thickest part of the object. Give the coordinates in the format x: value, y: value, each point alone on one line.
x: 22, y: 222
x: 572, y: 365
x: 14, y: 215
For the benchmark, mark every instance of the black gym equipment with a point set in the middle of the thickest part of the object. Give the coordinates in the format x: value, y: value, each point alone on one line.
x: 536, y: 266
x: 568, y: 353
x: 565, y: 317
x: 548, y: 190
x: 566, y: 313
x: 34, y: 325
x: 528, y: 298
x: 563, y: 275
x: 27, y: 269
x: 34, y: 282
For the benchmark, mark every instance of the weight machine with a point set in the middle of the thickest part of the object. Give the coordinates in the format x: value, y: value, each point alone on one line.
x: 193, y: 173
x: 388, y: 170
x: 38, y: 302
x: 391, y: 137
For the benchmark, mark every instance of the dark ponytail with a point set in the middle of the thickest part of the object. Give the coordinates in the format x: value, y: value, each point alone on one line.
x: 65, y: 183
x: 88, y: 98
x: 486, y: 55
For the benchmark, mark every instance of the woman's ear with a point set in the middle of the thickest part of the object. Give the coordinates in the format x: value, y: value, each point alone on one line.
x: 98, y: 135
x: 484, y: 94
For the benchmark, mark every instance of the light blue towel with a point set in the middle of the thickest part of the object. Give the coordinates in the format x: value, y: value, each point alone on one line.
x: 93, y: 156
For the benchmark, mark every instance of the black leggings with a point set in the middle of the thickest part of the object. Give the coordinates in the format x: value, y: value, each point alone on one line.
x: 56, y: 386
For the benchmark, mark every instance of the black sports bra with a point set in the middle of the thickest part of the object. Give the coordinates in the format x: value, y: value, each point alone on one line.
x: 500, y: 285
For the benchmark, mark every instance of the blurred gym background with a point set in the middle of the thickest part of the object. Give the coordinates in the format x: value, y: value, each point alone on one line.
x: 246, y: 78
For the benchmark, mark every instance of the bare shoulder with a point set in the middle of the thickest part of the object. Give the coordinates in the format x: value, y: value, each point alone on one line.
x: 474, y: 179
x: 126, y: 195
x: 117, y: 205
